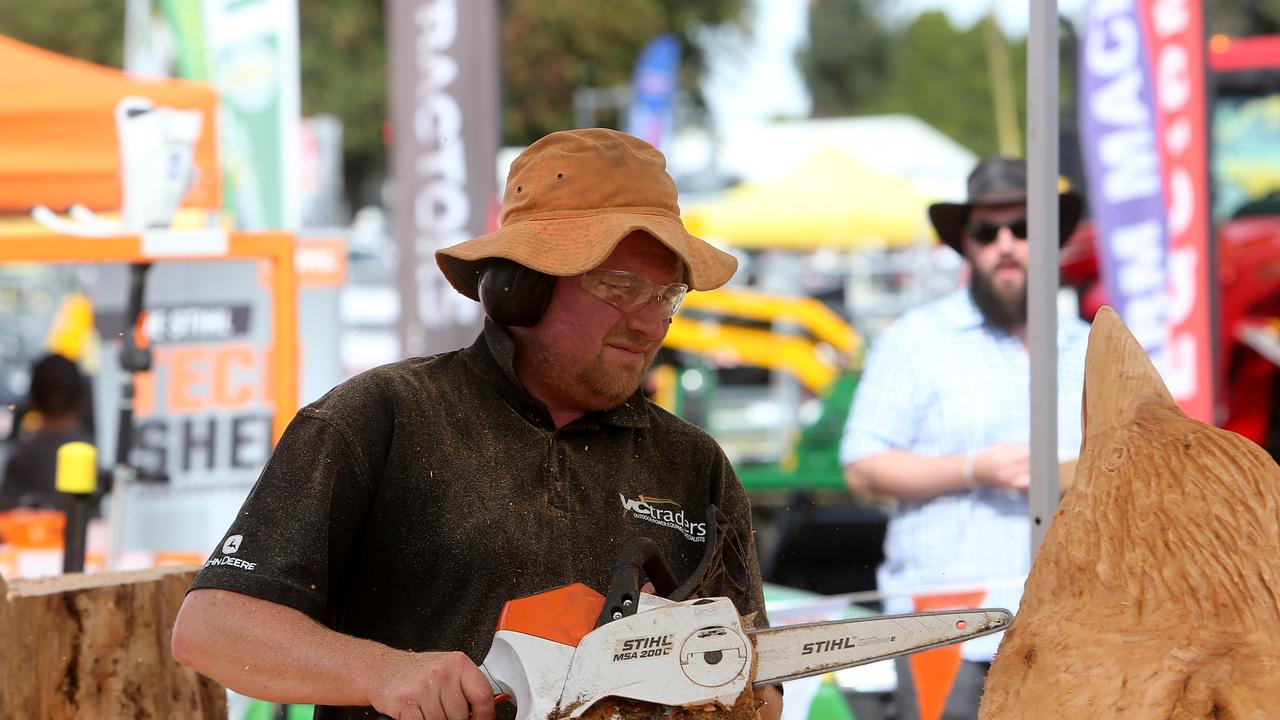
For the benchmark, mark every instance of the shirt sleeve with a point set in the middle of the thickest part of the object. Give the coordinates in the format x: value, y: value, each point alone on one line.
x: 294, y: 534
x: 889, y: 403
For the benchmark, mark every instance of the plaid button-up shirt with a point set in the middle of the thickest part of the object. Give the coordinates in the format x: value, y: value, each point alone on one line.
x: 940, y: 382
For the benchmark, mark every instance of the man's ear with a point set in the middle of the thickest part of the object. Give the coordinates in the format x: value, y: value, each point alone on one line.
x: 513, y: 295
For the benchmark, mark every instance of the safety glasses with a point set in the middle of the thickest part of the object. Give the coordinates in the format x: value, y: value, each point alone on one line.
x: 629, y: 292
x: 985, y: 233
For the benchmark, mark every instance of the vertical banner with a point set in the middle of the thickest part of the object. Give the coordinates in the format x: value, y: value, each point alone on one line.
x: 1122, y: 164
x: 1176, y: 30
x: 248, y: 49
x: 1143, y: 135
x: 445, y: 119
x: 653, y: 92
x: 186, y: 21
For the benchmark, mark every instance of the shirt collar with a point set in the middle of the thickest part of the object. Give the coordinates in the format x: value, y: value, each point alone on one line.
x: 496, y: 344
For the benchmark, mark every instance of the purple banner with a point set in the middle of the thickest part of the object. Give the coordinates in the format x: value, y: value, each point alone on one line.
x: 653, y: 91
x: 1122, y: 166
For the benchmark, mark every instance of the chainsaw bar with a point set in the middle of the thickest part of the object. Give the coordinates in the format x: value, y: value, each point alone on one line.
x: 796, y: 651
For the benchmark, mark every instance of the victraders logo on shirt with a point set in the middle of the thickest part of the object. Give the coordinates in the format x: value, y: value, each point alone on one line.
x: 664, y: 512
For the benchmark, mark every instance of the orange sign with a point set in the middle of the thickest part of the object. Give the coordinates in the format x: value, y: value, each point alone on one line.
x: 205, y: 377
x: 320, y: 263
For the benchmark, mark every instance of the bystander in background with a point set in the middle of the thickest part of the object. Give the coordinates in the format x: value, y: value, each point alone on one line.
x: 56, y: 412
x: 941, y: 422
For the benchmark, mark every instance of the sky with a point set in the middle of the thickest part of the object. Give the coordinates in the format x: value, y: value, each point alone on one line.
x: 1013, y: 15
x: 758, y: 81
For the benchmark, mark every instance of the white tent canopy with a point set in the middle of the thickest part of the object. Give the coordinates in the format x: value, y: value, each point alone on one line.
x: 901, y: 145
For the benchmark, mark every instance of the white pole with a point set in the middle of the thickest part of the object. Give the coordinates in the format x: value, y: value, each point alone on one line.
x: 1042, y: 211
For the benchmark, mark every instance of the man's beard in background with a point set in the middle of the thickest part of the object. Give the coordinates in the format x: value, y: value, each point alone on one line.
x: 1008, y: 314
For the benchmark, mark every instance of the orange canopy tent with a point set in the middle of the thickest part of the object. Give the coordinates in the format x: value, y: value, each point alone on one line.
x: 58, y: 143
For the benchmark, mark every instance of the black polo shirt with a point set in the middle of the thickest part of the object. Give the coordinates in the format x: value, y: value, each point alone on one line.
x: 410, y: 502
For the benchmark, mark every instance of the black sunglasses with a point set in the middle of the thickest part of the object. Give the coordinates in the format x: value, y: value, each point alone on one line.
x: 985, y: 233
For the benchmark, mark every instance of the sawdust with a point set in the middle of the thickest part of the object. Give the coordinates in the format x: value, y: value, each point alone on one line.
x: 615, y: 709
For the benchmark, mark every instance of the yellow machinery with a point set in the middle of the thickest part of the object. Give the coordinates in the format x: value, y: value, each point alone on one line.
x: 798, y: 336
x: 828, y: 346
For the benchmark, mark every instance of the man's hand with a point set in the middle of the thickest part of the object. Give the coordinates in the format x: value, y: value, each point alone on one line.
x: 1006, y: 466
x: 429, y: 686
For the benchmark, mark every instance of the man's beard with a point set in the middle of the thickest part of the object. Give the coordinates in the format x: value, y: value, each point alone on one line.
x: 595, y: 386
x: 607, y: 389
x: 1006, y: 313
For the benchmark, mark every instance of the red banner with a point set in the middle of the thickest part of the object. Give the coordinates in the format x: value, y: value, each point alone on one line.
x: 1175, y: 31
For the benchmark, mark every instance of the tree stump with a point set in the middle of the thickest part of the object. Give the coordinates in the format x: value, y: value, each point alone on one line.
x: 1156, y: 594
x: 97, y: 646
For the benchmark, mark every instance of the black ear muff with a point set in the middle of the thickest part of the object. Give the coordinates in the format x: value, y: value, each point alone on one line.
x: 512, y: 294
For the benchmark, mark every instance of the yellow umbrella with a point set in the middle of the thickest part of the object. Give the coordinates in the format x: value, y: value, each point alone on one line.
x: 832, y: 201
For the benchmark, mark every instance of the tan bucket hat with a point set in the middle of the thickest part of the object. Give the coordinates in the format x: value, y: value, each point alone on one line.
x: 571, y: 197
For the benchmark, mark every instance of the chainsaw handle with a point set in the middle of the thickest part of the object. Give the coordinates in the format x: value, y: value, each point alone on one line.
x: 497, y: 698
x: 499, y: 693
x: 640, y: 555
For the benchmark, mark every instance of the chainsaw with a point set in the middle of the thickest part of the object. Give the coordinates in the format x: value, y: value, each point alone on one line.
x: 557, y: 653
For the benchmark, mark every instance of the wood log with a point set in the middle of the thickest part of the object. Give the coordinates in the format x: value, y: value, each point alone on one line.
x: 97, y: 646
x: 1156, y: 593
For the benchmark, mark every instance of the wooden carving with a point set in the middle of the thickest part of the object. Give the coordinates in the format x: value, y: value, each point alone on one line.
x: 1156, y: 593
x: 97, y: 646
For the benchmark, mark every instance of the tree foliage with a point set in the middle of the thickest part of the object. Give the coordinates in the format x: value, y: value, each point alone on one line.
x: 940, y: 74
x: 552, y: 47
x: 857, y: 63
x: 927, y: 68
x: 85, y: 29
x: 343, y: 57
x: 1244, y: 17
x: 844, y: 61
x: 549, y: 48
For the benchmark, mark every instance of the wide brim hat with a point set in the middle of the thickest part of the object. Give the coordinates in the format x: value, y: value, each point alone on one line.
x: 570, y: 198
x: 998, y: 181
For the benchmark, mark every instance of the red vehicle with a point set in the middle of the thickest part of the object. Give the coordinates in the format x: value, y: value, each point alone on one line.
x: 1245, y: 174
